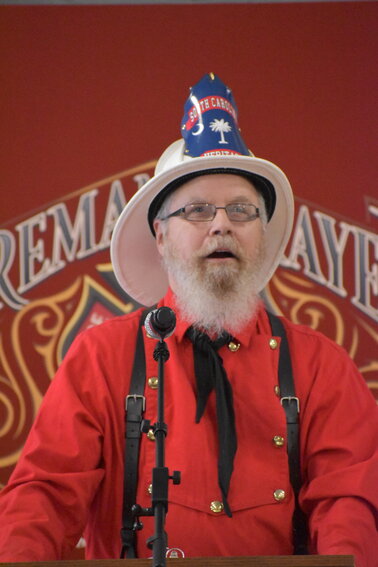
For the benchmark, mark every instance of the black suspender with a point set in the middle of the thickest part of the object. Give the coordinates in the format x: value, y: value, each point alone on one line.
x: 134, y: 410
x: 290, y: 403
x: 135, y: 406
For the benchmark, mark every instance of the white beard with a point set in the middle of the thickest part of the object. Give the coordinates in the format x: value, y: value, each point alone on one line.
x: 215, y: 297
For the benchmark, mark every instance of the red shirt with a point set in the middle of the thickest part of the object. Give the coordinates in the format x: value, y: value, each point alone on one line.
x: 69, y: 479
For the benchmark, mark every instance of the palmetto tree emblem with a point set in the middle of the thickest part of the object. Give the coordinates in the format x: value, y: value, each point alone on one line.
x: 221, y: 126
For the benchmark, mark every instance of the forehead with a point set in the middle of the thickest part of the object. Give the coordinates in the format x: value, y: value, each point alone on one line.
x: 214, y: 188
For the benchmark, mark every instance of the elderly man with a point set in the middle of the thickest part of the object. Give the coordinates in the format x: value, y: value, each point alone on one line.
x: 206, y: 233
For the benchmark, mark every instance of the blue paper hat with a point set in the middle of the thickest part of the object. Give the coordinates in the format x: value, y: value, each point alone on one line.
x: 210, y: 122
x: 210, y: 129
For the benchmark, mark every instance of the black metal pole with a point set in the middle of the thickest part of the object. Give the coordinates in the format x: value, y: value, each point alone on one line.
x: 160, y: 474
x: 160, y: 323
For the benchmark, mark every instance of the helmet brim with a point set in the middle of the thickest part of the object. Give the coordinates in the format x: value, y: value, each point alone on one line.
x: 136, y: 262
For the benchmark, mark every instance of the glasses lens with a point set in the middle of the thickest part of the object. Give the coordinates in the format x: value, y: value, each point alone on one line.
x: 240, y: 212
x: 199, y: 212
x: 237, y: 212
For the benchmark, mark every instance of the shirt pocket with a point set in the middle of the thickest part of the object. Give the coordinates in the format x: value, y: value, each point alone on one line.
x: 257, y: 480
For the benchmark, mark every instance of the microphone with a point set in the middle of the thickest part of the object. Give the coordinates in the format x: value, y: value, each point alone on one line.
x: 160, y: 323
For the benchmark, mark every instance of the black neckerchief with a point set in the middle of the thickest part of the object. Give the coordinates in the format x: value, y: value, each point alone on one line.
x: 210, y: 374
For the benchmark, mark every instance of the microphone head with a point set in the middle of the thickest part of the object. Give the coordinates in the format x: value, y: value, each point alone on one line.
x: 165, y: 319
x: 160, y: 323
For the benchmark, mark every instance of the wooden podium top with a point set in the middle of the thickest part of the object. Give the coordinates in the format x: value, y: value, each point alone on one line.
x: 260, y: 561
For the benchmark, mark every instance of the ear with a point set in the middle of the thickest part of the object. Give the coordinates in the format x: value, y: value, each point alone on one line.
x: 159, y: 235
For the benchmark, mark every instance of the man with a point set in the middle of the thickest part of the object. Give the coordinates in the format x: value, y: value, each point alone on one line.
x: 205, y: 233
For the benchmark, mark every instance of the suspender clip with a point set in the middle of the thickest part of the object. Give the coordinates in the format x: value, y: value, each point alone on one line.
x: 288, y: 399
x: 134, y: 397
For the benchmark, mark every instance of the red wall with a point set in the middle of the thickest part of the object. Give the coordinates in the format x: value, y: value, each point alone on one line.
x: 88, y: 93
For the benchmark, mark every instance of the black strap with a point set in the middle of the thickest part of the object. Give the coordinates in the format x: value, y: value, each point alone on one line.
x: 290, y: 403
x: 134, y: 409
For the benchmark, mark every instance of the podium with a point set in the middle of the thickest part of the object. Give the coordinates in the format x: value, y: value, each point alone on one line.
x: 260, y: 561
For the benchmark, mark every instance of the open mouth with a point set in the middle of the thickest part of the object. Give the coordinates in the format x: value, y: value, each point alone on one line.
x: 221, y: 254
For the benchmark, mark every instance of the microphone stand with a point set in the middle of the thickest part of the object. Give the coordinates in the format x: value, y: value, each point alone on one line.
x: 160, y: 474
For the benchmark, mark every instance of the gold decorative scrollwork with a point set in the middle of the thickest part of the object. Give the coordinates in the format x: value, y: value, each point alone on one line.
x: 302, y: 302
x: 306, y: 304
x: 35, y: 347
x: 39, y: 324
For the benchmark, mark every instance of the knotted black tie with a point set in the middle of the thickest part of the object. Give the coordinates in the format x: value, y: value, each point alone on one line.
x: 210, y: 374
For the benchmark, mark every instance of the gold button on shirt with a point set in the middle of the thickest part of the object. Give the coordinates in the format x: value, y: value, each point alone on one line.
x: 216, y: 506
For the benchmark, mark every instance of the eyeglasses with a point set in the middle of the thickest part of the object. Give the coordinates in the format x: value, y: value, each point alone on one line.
x: 202, y: 212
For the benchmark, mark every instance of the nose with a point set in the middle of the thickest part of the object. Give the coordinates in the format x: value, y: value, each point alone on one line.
x: 221, y: 224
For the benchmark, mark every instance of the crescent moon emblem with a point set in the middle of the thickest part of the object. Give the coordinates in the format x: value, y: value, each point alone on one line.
x: 200, y: 129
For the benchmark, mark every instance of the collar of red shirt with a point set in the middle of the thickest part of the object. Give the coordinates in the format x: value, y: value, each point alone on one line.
x: 259, y: 324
